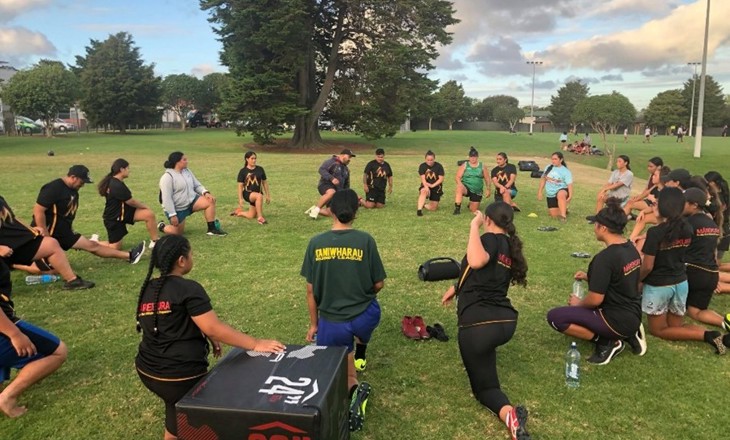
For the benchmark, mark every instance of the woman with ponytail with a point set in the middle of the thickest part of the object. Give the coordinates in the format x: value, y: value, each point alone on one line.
x: 619, y: 183
x: 177, y: 320
x: 486, y: 317
x: 121, y: 209
x: 557, y: 182
x: 344, y: 274
x: 611, y: 310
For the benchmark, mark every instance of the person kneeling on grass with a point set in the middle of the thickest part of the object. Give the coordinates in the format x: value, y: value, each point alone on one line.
x: 377, y: 175
x: 177, y: 323
x: 487, y: 320
x: 557, y: 182
x: 611, y: 311
x: 252, y: 189
x: 334, y: 175
x: 344, y: 273
x: 23, y: 346
x: 471, y: 176
x: 432, y: 184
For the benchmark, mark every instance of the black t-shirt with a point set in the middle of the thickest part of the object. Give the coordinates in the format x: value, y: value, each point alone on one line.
x: 13, y: 233
x: 377, y: 174
x: 61, y: 203
x: 432, y: 174
x: 503, y: 173
x: 669, y: 266
x: 487, y: 286
x: 116, y: 197
x: 705, y: 234
x: 251, y: 178
x: 614, y: 273
x: 179, y: 350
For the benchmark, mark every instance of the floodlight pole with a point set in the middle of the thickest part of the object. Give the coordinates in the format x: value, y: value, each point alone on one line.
x: 532, y: 102
x: 701, y: 106
x: 694, y: 84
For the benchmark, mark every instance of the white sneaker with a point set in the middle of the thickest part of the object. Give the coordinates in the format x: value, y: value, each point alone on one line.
x: 151, y: 245
x: 308, y: 211
x: 314, y: 213
x: 94, y: 237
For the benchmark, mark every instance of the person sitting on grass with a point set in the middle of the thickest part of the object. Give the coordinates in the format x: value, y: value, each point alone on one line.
x: 611, y: 310
x: 720, y: 186
x: 334, y: 175
x: 664, y: 293
x: 432, y: 184
x: 253, y: 188
x: 557, y: 183
x: 646, y: 216
x: 55, y: 210
x: 344, y: 274
x: 619, y: 183
x: 643, y: 200
x: 25, y: 246
x: 182, y: 194
x: 471, y: 176
x: 35, y: 352
x: 377, y: 175
x: 504, y: 176
x: 178, y: 325
x: 121, y: 209
x: 486, y: 317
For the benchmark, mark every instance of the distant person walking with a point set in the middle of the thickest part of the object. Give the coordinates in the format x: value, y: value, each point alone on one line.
x: 626, y: 135
x: 724, y: 131
x: 647, y: 135
x: 680, y: 134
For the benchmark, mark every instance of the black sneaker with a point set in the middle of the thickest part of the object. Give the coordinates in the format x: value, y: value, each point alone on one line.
x: 419, y: 213
x: 604, y: 353
x: 638, y: 342
x: 457, y: 211
x: 358, y: 403
x: 217, y: 232
x: 78, y: 284
x: 161, y: 227
x: 136, y: 253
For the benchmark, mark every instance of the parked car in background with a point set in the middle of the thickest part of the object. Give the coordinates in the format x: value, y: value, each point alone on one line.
x: 197, y: 118
x: 27, y: 126
x: 58, y: 125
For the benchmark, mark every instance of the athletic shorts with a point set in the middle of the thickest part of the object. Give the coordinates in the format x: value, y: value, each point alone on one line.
x: 498, y: 196
x: 561, y: 318
x: 375, y: 195
x: 473, y: 196
x: 342, y: 334
x: 25, y: 253
x: 116, y: 230
x: 323, y: 187
x: 182, y: 214
x: 45, y: 343
x: 247, y: 197
x: 702, y: 285
x: 67, y: 239
x: 658, y: 300
x: 434, y: 194
x: 552, y: 202
x: 170, y: 392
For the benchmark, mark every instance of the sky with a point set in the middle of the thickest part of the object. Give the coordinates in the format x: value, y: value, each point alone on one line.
x: 636, y: 47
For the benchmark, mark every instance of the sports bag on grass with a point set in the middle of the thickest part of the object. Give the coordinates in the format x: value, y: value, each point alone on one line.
x: 438, y: 269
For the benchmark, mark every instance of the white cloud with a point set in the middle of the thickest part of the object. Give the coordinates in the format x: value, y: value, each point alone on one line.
x: 9, y: 9
x: 201, y: 70
x: 621, y: 7
x: 18, y: 44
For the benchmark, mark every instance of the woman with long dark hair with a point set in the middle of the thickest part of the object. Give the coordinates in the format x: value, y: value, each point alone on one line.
x: 178, y: 327
x: 253, y: 188
x: 557, y: 183
x: 648, y: 196
x: 121, y: 209
x: 486, y: 317
x: 619, y: 183
x: 720, y: 186
x: 504, y: 176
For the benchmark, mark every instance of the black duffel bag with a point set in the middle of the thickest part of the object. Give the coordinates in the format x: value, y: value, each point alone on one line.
x: 528, y: 165
x: 438, y: 269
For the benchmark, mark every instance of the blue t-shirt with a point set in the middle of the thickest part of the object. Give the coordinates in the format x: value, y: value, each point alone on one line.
x: 557, y: 179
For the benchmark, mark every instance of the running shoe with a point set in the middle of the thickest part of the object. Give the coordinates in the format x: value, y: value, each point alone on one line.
x: 516, y: 421
x: 421, y: 327
x: 217, y: 232
x: 314, y: 213
x: 310, y: 209
x: 136, y: 253
x: 604, y: 353
x: 78, y: 284
x: 161, y: 226
x: 638, y: 342
x: 357, y: 406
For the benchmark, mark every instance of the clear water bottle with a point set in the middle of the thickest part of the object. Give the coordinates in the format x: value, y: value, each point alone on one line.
x: 41, y: 279
x: 572, y: 366
x: 578, y: 289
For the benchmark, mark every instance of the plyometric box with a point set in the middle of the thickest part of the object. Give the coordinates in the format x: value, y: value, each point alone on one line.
x: 300, y: 394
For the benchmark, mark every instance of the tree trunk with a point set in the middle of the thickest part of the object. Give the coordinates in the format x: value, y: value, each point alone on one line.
x: 451, y: 125
x: 306, y: 133
x: 430, y: 120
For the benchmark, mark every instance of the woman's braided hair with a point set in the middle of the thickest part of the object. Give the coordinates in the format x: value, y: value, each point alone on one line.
x: 166, y: 252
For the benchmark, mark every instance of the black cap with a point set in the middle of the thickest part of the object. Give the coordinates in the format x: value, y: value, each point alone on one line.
x: 697, y: 196
x: 603, y: 219
x: 81, y: 172
x: 348, y: 152
x: 679, y: 175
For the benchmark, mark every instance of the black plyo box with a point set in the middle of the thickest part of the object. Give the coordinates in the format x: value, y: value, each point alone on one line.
x: 300, y: 394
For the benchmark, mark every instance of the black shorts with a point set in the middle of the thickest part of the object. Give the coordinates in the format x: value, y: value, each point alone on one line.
x: 702, y: 285
x: 170, y: 392
x: 473, y: 197
x: 247, y: 197
x: 434, y: 194
x: 375, y: 195
x: 115, y: 229
x: 66, y: 237
x: 552, y: 202
x: 323, y: 187
x: 25, y: 253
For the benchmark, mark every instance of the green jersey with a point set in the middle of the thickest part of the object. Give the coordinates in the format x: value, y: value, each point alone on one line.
x: 473, y: 178
x: 343, y: 267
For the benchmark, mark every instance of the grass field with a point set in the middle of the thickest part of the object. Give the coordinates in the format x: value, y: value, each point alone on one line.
x: 676, y: 391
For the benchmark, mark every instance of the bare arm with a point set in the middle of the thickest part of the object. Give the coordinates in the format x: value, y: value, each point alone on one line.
x: 134, y: 203
x: 460, y: 173
x: 267, y: 192
x: 378, y: 286
x: 240, y: 194
x: 476, y: 255
x: 647, y: 265
x: 218, y: 330
x: 313, y: 313
x: 39, y: 216
x: 21, y: 343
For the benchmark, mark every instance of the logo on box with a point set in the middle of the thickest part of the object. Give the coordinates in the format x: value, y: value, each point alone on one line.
x: 277, y: 431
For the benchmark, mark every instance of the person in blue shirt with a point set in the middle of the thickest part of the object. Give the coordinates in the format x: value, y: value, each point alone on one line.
x: 557, y: 185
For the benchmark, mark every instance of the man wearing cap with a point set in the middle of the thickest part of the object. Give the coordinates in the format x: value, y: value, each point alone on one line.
x: 376, y: 177
x: 678, y: 178
x: 334, y: 176
x: 470, y: 179
x: 55, y: 210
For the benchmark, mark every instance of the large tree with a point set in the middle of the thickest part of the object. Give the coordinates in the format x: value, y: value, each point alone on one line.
x: 215, y: 87
x: 666, y: 109
x: 714, y: 100
x: 41, y: 92
x: 605, y: 114
x: 564, y: 103
x: 181, y: 93
x: 117, y: 88
x: 452, y: 102
x: 485, y: 109
x: 288, y: 60
x: 509, y: 115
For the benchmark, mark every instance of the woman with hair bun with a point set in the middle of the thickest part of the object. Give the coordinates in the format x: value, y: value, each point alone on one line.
x: 179, y: 327
x: 611, y: 310
x: 344, y: 274
x: 486, y: 317
x: 557, y: 182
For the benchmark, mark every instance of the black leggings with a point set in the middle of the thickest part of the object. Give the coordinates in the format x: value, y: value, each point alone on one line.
x: 170, y: 392
x: 478, y: 346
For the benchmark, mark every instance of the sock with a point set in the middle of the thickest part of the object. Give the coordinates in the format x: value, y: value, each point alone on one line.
x: 211, y: 226
x: 360, y: 350
x: 457, y: 205
x: 710, y: 335
x: 726, y: 340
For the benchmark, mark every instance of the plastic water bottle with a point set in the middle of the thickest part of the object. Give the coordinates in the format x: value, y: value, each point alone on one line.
x: 572, y: 367
x: 578, y: 289
x: 41, y: 279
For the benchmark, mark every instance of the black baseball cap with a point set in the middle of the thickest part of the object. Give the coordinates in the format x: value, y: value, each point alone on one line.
x: 679, y: 175
x: 81, y: 172
x: 348, y: 152
x: 696, y: 196
x: 603, y: 219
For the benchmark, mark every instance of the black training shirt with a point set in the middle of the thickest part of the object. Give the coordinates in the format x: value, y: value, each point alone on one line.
x: 502, y: 174
x: 377, y: 174
x: 251, y: 178
x: 705, y: 234
x: 432, y: 174
x: 116, y: 198
x: 61, y: 203
x: 669, y: 268
x: 13, y: 233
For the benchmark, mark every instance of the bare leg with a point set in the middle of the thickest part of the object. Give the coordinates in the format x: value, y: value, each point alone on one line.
x: 706, y: 316
x: 51, y: 250
x: 148, y: 217
x: 99, y: 250
x: 563, y: 204
x: 175, y: 230
x: 422, y: 198
x: 325, y: 198
x: 474, y: 206
x: 351, y: 372
x: 671, y: 327
x: 207, y: 205
x: 432, y: 206
x: 459, y: 194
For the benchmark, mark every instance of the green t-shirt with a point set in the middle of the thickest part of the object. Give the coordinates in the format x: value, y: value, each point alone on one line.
x: 473, y: 178
x: 342, y: 266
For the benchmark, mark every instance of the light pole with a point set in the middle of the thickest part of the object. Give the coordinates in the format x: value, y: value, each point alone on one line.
x: 532, y: 102
x: 701, y: 106
x: 692, y: 110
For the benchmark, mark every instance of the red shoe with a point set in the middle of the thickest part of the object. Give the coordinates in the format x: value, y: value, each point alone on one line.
x: 516, y: 421
x: 421, y: 327
x: 409, y: 330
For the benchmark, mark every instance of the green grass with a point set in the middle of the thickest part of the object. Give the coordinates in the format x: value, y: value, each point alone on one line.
x: 677, y: 391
